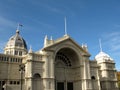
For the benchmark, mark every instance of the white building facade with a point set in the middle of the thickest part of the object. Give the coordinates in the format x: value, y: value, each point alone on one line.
x: 61, y: 64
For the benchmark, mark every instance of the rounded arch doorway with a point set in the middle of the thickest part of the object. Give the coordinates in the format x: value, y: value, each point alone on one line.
x: 37, y: 81
x: 67, y: 69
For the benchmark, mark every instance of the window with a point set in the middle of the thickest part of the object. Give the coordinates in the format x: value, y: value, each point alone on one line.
x: 7, y: 58
x: 64, y: 58
x: 60, y: 85
x: 11, y: 60
x: 37, y: 75
x: 16, y: 52
x: 93, y: 77
x: 70, y: 86
x: 14, y: 82
x: 4, y: 58
x: 111, y: 74
x: 18, y: 82
x: 11, y: 82
x: 20, y: 53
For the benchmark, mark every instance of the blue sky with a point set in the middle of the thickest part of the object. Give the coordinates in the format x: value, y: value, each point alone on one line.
x: 87, y: 21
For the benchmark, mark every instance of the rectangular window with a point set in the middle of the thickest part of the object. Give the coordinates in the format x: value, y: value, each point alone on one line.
x: 14, y: 82
x: 7, y: 58
x: 60, y: 86
x: 16, y: 52
x: 11, y: 60
x: 16, y: 60
x: 70, y: 86
x: 11, y: 82
x: 18, y: 82
x: 20, y: 53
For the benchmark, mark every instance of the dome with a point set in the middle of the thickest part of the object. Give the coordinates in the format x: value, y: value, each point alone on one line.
x: 103, y: 56
x: 16, y: 41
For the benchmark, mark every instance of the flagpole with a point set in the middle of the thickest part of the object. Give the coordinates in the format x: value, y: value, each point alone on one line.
x: 18, y: 26
x: 100, y: 45
x: 65, y: 27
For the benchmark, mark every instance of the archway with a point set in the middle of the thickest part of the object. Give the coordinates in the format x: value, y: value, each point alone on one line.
x: 67, y: 69
x: 37, y: 82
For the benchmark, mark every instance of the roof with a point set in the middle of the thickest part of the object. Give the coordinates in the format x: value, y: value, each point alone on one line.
x: 64, y: 39
x: 16, y: 40
x: 102, y: 56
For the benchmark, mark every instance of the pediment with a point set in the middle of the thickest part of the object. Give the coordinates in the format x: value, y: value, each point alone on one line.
x: 64, y: 42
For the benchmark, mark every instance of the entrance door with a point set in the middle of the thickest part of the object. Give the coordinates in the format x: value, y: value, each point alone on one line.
x: 70, y: 86
x: 60, y: 85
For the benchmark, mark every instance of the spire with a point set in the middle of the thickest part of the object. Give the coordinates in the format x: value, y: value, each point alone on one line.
x: 46, y: 37
x: 45, y: 41
x: 30, y: 50
x: 51, y: 40
x: 100, y: 45
x: 65, y: 27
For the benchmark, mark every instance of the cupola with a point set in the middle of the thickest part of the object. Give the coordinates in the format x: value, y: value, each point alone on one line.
x: 16, y: 45
x: 102, y: 56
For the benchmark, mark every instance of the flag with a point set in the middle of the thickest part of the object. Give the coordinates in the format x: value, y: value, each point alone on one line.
x: 20, y: 25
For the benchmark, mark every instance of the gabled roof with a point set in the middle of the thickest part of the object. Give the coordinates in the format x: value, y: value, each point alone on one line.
x: 62, y: 40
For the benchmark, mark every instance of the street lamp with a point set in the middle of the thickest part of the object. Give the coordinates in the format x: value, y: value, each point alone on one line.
x: 21, y: 69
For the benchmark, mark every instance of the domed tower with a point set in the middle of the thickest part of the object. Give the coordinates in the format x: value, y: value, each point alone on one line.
x: 16, y: 45
x: 102, y: 57
x: 107, y: 71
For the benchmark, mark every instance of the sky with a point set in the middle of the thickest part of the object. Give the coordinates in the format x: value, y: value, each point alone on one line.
x: 87, y: 22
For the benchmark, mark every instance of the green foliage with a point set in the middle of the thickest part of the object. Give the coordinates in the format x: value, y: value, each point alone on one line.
x: 118, y: 77
x: 119, y: 84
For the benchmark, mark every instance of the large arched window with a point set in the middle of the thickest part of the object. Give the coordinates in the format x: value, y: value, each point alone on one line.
x: 64, y: 58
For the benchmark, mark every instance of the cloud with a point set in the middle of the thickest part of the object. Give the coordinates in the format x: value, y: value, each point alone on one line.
x: 53, y: 7
x: 117, y: 25
x: 5, y: 25
x: 112, y: 42
x: 6, y: 22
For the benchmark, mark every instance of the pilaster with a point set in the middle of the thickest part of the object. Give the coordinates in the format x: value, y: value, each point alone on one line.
x: 87, y: 85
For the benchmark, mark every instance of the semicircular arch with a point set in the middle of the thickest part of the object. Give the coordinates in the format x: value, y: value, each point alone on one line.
x: 75, y: 49
x: 36, y: 76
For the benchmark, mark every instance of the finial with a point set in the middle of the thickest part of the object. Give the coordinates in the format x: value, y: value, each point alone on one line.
x: 100, y: 45
x: 45, y: 41
x: 84, y: 46
x: 17, y: 31
x: 46, y: 37
x: 65, y: 27
x: 30, y: 51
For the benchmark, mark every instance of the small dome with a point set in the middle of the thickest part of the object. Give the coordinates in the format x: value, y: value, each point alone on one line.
x: 17, y: 40
x: 102, y: 56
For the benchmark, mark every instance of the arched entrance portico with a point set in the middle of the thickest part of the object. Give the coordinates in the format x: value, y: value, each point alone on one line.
x: 67, y: 70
